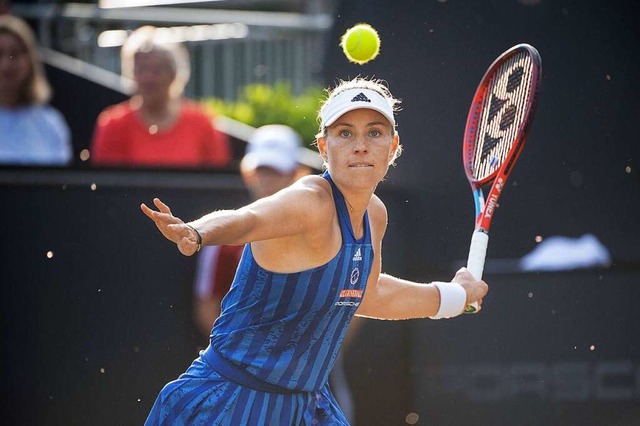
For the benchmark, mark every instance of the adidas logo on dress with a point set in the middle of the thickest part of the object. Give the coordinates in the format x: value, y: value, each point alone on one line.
x: 357, y: 256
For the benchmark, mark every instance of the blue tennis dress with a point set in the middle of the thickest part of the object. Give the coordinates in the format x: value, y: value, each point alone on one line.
x: 274, y: 343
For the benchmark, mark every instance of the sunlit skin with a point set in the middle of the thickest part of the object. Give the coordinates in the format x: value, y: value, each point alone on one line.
x: 261, y: 182
x: 15, y: 68
x: 297, y: 228
x: 357, y: 149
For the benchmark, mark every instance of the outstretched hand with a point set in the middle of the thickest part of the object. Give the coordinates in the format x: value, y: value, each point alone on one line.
x: 173, y: 228
x: 475, y: 289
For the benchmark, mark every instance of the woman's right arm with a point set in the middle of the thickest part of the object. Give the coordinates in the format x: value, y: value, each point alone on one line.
x: 292, y: 211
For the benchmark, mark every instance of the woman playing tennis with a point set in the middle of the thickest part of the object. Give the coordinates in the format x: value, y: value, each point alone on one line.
x: 312, y: 260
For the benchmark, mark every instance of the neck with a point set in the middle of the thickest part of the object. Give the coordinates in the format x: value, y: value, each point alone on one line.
x: 356, y: 201
x: 156, y: 114
x: 353, y: 209
x: 153, y: 106
x: 356, y: 213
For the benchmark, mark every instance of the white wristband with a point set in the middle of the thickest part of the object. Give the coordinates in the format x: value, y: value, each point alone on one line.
x: 453, y: 299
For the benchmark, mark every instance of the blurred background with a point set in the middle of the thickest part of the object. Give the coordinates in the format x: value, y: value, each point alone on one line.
x: 97, y: 307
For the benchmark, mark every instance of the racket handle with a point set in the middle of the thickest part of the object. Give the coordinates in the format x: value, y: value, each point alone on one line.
x: 475, y: 262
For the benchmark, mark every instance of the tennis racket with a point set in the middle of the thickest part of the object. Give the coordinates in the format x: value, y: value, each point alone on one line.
x: 497, y: 125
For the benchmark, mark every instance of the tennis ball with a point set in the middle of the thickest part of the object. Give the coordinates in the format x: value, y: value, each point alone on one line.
x: 360, y: 43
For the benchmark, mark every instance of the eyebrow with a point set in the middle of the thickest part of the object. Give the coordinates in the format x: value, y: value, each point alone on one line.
x: 370, y: 124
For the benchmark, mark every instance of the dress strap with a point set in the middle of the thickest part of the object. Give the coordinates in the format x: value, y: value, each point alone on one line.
x: 348, y: 236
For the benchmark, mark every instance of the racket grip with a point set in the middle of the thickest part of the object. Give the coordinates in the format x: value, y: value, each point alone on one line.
x: 475, y: 262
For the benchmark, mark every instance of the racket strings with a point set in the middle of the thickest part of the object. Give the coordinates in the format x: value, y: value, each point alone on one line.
x: 503, y: 112
x: 508, y: 117
x: 515, y: 79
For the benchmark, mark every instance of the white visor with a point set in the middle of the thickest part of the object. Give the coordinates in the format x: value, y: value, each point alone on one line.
x: 356, y: 99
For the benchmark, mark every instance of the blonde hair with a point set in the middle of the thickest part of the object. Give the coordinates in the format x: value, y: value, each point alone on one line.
x: 148, y: 39
x: 377, y: 85
x: 36, y: 88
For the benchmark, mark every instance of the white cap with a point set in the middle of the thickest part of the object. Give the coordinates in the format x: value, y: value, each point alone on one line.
x: 352, y: 99
x: 275, y: 146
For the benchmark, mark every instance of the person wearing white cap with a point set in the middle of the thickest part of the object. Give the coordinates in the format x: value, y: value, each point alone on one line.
x: 312, y: 260
x: 271, y: 160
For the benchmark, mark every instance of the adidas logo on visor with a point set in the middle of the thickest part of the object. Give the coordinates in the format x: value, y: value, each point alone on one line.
x: 360, y: 97
x: 355, y: 98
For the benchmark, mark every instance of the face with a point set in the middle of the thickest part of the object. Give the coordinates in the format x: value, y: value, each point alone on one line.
x: 153, y: 73
x: 265, y: 181
x: 15, y: 64
x: 358, y: 147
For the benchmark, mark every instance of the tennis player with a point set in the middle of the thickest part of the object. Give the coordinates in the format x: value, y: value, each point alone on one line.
x: 312, y: 260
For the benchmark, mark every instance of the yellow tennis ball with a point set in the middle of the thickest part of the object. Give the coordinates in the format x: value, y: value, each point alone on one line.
x: 360, y: 43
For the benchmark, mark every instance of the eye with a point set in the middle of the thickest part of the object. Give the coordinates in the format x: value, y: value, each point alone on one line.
x: 345, y: 133
x: 375, y: 133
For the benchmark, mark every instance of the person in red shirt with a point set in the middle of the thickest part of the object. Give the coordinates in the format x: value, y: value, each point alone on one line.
x: 157, y: 126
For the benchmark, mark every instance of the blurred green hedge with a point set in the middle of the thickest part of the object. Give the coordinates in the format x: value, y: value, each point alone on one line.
x: 260, y: 104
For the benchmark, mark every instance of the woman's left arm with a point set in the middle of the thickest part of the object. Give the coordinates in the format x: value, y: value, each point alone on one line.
x: 392, y: 298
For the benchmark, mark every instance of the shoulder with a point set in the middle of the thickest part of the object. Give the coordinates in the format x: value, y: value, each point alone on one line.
x: 377, y: 206
x: 194, y: 111
x: 312, y: 196
x: 195, y: 118
x: 48, y: 117
x: 378, y: 214
x: 115, y: 113
x: 57, y: 118
x: 46, y: 112
x: 315, y: 187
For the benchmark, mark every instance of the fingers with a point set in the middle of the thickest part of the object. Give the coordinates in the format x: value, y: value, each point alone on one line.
x: 476, y: 289
x: 147, y: 211
x: 478, y: 292
x: 464, y: 276
x: 187, y: 247
x: 163, y: 214
x: 157, y: 216
x: 463, y: 273
x: 173, y: 228
x: 484, y: 288
x: 161, y: 206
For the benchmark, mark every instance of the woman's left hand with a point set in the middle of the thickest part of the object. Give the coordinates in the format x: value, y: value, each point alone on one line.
x: 173, y: 228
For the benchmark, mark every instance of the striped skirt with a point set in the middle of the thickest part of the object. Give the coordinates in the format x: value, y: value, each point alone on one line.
x: 201, y: 396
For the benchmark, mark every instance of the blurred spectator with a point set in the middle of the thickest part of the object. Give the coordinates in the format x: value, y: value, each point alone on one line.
x: 31, y: 132
x: 157, y: 127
